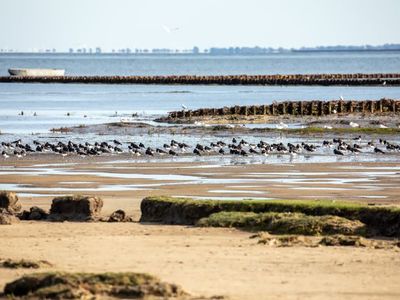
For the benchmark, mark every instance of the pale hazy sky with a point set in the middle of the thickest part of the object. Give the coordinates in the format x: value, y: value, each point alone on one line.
x: 30, y: 24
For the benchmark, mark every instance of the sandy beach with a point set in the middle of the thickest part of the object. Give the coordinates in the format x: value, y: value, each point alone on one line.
x: 205, y: 261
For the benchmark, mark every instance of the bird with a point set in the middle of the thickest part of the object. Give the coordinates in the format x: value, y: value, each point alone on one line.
x: 354, y: 125
x: 169, y: 30
x: 184, y: 107
x: 281, y: 125
x: 173, y: 153
x: 149, y: 151
x: 197, y: 152
x: 337, y: 152
x: 377, y: 150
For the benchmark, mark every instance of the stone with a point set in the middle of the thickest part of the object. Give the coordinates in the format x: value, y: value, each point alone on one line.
x: 118, y: 216
x: 35, y: 213
x: 9, y: 201
x: 6, y: 218
x: 75, y: 208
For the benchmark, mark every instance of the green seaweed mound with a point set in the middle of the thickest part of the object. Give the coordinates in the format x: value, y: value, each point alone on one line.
x: 92, y: 286
x: 285, y: 223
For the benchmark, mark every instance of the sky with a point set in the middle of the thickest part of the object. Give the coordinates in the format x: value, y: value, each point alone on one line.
x: 27, y: 25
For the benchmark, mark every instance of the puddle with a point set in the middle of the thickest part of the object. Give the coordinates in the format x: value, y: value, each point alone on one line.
x: 55, y: 165
x: 320, y: 188
x: 39, y: 172
x: 235, y: 192
x: 101, y: 188
x: 77, y: 182
x: 33, y: 195
x: 245, y: 186
x: 373, y: 197
x: 369, y: 168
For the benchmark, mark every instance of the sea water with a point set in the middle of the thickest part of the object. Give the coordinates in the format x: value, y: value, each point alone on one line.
x: 47, y: 106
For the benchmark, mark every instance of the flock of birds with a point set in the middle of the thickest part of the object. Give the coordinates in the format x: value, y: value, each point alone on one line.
x: 174, y: 148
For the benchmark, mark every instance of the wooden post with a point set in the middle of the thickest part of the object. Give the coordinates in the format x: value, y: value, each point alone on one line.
x: 284, y: 108
x: 264, y: 110
x: 381, y: 105
x: 273, y: 109
x: 372, y: 106
x: 301, y: 108
x: 321, y: 108
x: 329, y: 107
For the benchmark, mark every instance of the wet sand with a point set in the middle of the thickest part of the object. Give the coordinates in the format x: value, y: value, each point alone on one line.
x: 207, y: 261
x: 123, y: 181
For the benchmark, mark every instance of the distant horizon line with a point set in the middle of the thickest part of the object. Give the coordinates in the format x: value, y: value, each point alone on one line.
x: 211, y: 50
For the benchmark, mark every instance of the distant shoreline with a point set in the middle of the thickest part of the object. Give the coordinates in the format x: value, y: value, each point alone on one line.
x: 286, y: 51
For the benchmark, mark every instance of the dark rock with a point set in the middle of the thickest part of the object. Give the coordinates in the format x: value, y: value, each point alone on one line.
x: 75, y: 208
x: 35, y: 213
x: 119, y: 216
x: 9, y: 201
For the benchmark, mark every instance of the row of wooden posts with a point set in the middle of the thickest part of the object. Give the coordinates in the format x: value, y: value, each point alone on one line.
x: 297, y: 108
x: 290, y: 79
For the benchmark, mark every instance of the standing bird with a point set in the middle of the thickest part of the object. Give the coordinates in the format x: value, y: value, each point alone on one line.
x: 337, y: 152
x: 377, y: 150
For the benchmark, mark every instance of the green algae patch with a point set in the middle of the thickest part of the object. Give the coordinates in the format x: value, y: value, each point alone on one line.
x: 93, y: 286
x: 285, y: 223
x: 379, y: 220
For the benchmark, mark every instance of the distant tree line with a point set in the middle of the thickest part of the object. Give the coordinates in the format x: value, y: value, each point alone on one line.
x: 219, y: 50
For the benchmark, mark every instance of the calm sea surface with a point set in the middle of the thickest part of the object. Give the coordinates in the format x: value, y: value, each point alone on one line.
x: 105, y: 103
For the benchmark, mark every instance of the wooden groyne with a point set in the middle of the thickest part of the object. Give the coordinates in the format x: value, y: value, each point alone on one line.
x: 357, y: 79
x: 295, y: 108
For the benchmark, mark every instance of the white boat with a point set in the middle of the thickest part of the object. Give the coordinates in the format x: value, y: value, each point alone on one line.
x: 36, y: 72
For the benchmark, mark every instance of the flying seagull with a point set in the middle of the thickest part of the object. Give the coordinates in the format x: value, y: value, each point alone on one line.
x: 169, y: 29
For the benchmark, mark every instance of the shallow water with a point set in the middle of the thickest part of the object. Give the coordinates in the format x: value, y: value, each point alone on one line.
x: 109, y: 103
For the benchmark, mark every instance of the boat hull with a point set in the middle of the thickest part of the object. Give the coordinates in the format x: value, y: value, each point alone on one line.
x: 36, y: 72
